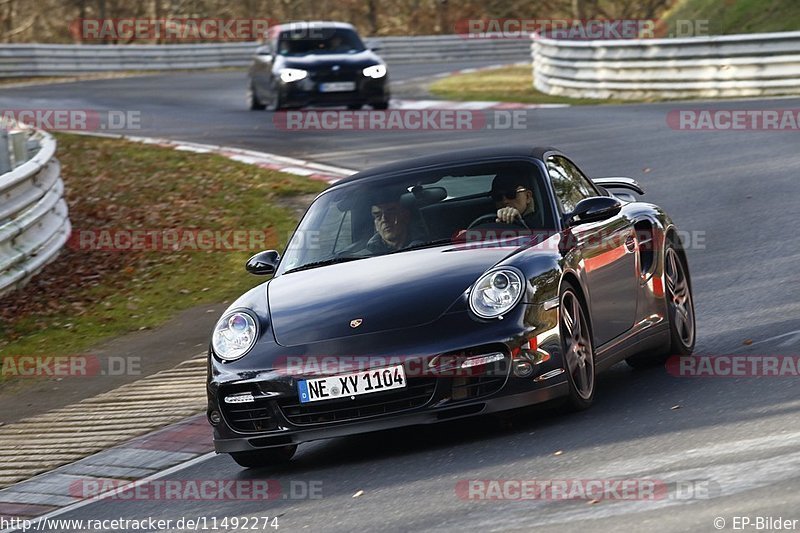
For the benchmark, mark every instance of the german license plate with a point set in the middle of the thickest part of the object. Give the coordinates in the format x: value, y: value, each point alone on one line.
x: 337, y: 86
x: 355, y: 384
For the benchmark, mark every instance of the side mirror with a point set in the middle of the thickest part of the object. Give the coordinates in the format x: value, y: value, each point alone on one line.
x: 265, y: 50
x: 374, y: 46
x: 594, y: 209
x: 263, y: 263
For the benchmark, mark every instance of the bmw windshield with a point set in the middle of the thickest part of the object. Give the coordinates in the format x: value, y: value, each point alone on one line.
x: 322, y: 41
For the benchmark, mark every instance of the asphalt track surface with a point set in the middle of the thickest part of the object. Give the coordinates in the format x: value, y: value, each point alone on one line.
x: 736, y: 439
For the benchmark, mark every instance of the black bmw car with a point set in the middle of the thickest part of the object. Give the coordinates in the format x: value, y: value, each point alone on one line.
x: 402, y: 299
x: 316, y: 63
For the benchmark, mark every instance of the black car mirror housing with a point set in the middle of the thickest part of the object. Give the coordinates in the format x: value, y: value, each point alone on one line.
x: 263, y: 263
x: 594, y: 209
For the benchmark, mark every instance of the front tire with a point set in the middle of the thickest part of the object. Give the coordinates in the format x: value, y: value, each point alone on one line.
x: 253, y: 101
x: 576, y: 345
x: 381, y: 106
x: 276, y: 102
x: 266, y: 457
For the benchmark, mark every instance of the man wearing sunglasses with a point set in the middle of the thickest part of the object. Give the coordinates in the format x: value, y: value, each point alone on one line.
x: 513, y: 197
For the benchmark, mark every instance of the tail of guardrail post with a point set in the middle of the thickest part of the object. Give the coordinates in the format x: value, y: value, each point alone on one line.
x: 18, y: 143
x: 5, y: 154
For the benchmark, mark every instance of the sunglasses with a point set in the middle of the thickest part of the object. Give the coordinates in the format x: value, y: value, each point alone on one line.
x: 509, y: 195
x: 385, y: 214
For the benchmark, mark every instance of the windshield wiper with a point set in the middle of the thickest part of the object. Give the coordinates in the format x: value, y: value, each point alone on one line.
x: 426, y: 244
x: 325, y: 262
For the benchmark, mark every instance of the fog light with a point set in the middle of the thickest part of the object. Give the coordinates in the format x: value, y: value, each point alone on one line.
x: 214, y: 417
x: 482, y: 360
x: 522, y: 368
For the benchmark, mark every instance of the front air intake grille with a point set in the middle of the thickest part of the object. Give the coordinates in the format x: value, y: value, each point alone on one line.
x: 418, y: 392
x: 327, y: 74
x: 250, y: 416
x: 477, y: 387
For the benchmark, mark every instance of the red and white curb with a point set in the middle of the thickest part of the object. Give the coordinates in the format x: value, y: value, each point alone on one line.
x: 289, y: 165
x: 137, y: 461
x: 42, y: 455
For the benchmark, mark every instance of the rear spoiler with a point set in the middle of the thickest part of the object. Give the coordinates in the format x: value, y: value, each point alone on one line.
x: 619, y: 183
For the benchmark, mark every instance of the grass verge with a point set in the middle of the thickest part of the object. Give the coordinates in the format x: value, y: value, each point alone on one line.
x: 86, y: 296
x: 507, y: 84
x: 735, y: 16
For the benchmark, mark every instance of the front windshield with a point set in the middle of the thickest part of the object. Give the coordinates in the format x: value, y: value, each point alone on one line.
x: 376, y: 217
x: 321, y: 41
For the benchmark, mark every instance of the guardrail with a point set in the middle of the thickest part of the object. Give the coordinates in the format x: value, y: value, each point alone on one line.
x: 760, y: 64
x: 31, y: 60
x: 34, y: 222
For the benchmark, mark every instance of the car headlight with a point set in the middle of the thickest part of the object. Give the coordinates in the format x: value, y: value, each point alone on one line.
x: 234, y: 335
x: 495, y: 293
x: 375, y: 71
x: 289, y: 75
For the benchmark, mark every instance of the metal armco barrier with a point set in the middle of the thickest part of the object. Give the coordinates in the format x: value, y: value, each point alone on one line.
x: 30, y: 60
x: 760, y: 64
x: 34, y: 222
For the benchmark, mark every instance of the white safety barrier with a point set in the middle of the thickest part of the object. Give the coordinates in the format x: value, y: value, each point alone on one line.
x: 30, y: 60
x: 759, y: 64
x: 34, y: 222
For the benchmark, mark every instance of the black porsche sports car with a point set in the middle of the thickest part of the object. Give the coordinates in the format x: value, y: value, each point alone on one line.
x: 316, y: 63
x: 402, y: 299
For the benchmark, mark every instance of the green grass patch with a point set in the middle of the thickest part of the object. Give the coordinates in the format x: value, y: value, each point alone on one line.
x: 87, y: 296
x: 508, y: 84
x: 736, y: 16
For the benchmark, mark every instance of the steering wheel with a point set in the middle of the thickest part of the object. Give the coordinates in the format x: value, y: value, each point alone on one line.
x: 492, y: 217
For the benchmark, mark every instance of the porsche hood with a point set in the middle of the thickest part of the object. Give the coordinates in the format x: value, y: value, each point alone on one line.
x: 376, y: 294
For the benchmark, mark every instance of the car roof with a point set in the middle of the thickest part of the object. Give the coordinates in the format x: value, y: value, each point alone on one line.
x: 456, y: 157
x: 314, y: 23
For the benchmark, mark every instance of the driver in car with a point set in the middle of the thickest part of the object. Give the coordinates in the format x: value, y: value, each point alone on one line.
x: 513, y: 197
x: 392, y: 227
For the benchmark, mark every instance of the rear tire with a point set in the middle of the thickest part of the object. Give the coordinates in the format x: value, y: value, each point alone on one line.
x: 354, y: 107
x: 381, y: 106
x: 266, y: 457
x: 680, y: 313
x: 576, y: 345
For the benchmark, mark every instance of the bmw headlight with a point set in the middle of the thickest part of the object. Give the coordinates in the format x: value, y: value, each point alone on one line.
x: 496, y: 293
x: 289, y: 75
x: 375, y: 71
x: 234, y: 335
